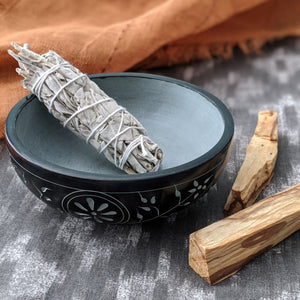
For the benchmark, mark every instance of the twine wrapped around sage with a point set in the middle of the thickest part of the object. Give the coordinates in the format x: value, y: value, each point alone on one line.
x: 81, y: 106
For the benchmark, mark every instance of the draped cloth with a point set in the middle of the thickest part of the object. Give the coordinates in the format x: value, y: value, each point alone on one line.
x: 115, y: 35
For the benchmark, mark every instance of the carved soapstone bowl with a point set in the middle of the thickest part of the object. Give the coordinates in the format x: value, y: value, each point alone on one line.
x: 193, y: 128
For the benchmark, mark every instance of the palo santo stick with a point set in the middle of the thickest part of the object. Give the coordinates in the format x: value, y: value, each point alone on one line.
x: 222, y: 248
x: 257, y: 170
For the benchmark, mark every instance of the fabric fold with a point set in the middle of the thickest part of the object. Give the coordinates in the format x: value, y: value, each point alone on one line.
x: 115, y: 36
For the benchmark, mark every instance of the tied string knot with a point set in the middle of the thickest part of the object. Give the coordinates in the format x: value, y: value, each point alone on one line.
x: 138, y: 142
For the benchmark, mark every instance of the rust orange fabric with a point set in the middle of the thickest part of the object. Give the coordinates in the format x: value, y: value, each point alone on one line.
x: 116, y: 35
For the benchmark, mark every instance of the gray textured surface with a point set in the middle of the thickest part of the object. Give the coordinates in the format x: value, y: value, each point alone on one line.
x: 47, y: 255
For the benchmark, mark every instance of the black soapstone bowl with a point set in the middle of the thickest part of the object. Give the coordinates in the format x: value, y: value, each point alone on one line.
x: 193, y: 128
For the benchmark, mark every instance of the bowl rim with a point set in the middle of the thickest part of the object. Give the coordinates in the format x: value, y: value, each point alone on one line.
x: 18, y: 147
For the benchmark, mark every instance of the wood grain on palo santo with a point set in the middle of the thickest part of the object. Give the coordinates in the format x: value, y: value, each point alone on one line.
x: 257, y: 169
x: 222, y: 248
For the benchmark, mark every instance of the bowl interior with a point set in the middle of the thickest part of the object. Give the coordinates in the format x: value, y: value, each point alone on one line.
x: 181, y: 120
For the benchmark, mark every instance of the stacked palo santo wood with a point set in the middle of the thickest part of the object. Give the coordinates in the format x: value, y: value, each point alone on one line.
x: 221, y: 249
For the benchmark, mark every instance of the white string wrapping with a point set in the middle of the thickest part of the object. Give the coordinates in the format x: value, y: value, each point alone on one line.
x: 85, y: 109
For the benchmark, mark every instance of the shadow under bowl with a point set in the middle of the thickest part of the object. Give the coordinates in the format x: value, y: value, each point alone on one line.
x: 193, y: 128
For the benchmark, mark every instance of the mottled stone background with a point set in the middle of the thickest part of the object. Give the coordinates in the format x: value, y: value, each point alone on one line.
x: 48, y: 255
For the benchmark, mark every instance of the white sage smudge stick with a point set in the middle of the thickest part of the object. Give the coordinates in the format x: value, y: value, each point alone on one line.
x: 81, y: 106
